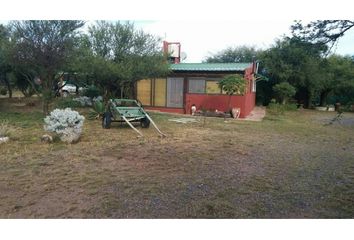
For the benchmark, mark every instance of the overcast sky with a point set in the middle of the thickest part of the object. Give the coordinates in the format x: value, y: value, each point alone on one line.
x: 200, y: 39
x: 202, y: 27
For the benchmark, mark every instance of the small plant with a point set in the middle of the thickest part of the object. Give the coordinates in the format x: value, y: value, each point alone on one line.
x: 279, y: 109
x: 3, y: 91
x: 232, y: 84
x: 98, y: 108
x: 92, y: 92
x: 66, y: 123
x: 67, y: 103
x: 6, y: 130
x: 284, y: 91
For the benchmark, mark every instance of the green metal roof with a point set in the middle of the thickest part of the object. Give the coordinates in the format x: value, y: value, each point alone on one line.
x: 210, y: 67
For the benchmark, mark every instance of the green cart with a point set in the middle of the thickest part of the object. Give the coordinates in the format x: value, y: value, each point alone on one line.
x: 127, y: 110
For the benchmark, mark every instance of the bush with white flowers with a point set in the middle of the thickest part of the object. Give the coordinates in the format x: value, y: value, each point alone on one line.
x: 66, y: 123
x: 84, y: 101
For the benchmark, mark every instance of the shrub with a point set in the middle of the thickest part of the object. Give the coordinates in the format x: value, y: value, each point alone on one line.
x: 6, y: 130
x: 276, y: 108
x: 3, y: 91
x: 67, y: 103
x: 84, y: 101
x: 92, y: 92
x: 284, y: 91
x: 66, y: 123
x: 98, y: 108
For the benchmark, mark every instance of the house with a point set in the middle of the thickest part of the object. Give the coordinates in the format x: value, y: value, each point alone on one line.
x: 197, y: 83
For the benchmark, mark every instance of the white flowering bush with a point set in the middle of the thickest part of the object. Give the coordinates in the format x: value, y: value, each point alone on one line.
x: 84, y: 101
x: 66, y: 123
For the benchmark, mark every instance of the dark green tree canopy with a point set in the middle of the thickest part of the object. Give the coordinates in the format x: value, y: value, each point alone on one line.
x: 44, y: 44
x: 43, y: 47
x: 284, y: 91
x: 234, y: 54
x: 118, y: 55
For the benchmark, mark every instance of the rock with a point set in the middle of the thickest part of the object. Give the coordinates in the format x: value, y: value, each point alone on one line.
x: 47, y: 138
x: 4, y: 139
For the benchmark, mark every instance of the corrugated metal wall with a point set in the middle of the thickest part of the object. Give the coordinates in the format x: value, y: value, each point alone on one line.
x: 144, y: 91
x: 160, y: 92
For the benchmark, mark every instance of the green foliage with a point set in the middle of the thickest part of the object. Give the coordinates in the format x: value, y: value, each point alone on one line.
x: 297, y: 62
x: 99, y: 107
x: 44, y: 47
x: 6, y: 130
x: 67, y: 103
x: 321, y: 31
x: 92, y: 91
x: 284, y: 91
x: 3, y: 91
x: 279, y: 109
x: 235, y: 54
x: 233, y: 84
x: 117, y: 55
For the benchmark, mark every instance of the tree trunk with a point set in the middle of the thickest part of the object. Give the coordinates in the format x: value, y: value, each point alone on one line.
x: 45, y: 106
x: 323, y: 98
x: 9, y: 89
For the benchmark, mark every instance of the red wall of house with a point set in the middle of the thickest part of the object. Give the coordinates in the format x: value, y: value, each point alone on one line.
x: 220, y: 102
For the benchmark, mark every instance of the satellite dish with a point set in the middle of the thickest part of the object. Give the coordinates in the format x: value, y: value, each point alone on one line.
x: 183, y: 56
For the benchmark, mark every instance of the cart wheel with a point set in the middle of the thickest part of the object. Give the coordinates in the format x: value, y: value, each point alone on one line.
x: 145, y: 123
x: 106, y: 121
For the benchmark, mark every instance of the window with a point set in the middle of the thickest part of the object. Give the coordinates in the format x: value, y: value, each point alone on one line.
x: 212, y: 87
x: 196, y: 85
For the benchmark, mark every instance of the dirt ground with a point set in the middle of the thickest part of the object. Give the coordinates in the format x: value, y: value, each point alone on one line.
x: 289, y: 166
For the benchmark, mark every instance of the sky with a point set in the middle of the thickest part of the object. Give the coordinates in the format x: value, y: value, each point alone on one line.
x: 202, y: 27
x: 200, y: 39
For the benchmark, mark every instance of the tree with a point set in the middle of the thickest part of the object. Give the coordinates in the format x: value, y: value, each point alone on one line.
x: 118, y: 55
x: 5, y: 67
x: 232, y: 84
x: 234, y: 54
x: 44, y: 47
x: 340, y: 82
x: 284, y: 91
x: 296, y: 62
x: 321, y: 31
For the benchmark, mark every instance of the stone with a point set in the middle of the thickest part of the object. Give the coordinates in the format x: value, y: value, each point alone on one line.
x: 47, y: 138
x: 4, y: 139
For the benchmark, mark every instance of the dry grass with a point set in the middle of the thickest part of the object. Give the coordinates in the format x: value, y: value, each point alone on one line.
x: 284, y: 167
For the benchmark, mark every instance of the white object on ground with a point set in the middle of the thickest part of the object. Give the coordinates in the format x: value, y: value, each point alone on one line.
x: 183, y: 120
x: 4, y: 139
